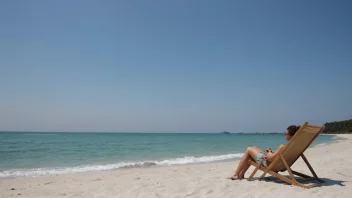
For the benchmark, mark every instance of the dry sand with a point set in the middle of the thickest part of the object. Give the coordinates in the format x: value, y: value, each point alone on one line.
x: 331, y: 162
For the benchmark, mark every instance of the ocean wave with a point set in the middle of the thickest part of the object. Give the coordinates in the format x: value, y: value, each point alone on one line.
x: 35, y: 172
x: 321, y: 144
x: 335, y: 138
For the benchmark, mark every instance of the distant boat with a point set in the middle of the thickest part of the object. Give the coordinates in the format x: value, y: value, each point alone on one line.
x: 225, y: 132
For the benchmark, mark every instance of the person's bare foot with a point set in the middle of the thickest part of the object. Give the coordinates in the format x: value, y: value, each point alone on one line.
x: 235, y: 177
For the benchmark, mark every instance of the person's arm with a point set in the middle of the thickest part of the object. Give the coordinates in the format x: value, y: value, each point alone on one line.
x: 270, y: 156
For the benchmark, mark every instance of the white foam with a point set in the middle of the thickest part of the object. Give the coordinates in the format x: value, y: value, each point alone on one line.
x: 321, y: 144
x: 189, y: 160
x: 335, y: 138
x: 35, y: 172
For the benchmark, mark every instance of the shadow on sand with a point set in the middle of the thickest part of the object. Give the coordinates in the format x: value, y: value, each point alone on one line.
x: 327, y: 182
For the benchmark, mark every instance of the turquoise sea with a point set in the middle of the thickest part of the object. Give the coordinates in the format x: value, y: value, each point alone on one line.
x: 29, y: 154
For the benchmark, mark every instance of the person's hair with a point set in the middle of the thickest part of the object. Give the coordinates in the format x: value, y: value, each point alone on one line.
x: 293, y: 129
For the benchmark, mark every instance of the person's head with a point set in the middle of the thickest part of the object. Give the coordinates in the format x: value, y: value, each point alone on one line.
x: 290, y: 132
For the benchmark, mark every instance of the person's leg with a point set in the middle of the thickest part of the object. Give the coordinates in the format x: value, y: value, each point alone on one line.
x: 243, y: 165
x: 244, y: 170
x: 247, y: 165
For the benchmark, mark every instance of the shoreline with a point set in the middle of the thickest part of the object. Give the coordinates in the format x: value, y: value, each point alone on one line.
x: 89, y: 168
x: 193, y: 180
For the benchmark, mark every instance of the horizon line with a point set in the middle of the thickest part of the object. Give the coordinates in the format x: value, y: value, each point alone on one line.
x: 221, y: 132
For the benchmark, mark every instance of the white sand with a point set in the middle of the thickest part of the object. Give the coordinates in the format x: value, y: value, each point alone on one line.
x: 331, y: 162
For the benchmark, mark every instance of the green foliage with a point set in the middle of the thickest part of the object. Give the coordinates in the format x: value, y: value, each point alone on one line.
x: 338, y: 127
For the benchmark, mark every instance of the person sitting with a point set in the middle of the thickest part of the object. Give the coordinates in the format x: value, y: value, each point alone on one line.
x: 257, y: 154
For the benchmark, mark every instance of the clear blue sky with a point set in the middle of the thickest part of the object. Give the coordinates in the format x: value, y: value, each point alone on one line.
x: 174, y: 66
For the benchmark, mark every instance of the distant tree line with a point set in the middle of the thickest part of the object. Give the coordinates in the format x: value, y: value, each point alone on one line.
x: 338, y: 127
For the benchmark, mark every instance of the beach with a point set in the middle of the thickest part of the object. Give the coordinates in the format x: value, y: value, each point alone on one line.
x: 331, y: 163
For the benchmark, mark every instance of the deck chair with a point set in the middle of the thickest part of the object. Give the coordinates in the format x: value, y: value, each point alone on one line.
x: 292, y: 151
